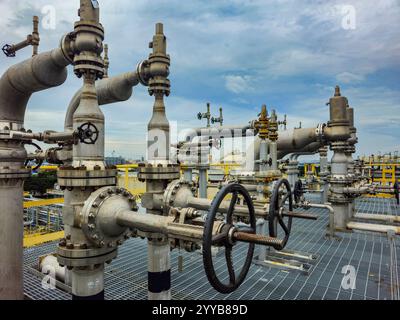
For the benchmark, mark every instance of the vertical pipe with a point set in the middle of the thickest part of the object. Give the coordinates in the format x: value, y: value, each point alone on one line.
x: 35, y: 36
x: 273, y: 154
x: 88, y: 284
x: 339, y: 171
x: 203, y: 183
x: 188, y: 174
x: 159, y: 270
x: 88, y: 280
x: 323, y: 161
x: 126, y: 179
x: 262, y: 229
x: 293, y: 173
x: 263, y: 155
x: 11, y: 236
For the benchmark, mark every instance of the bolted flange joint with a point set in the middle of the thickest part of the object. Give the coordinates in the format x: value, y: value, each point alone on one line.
x: 99, y: 216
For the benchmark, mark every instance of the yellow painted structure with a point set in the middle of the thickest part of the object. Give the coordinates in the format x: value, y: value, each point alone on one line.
x: 42, y: 202
x: 388, y: 172
x: 226, y: 167
x: 311, y: 167
x: 136, y: 187
x: 35, y: 239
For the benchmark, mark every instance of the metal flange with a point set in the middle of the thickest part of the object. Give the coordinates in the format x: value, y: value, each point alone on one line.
x: 177, y: 193
x: 98, y: 216
x: 76, y: 257
x: 21, y: 173
x: 268, y: 175
x: 149, y: 172
x: 81, y: 177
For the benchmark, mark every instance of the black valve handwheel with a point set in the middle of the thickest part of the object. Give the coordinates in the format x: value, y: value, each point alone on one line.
x: 38, y: 162
x: 88, y: 133
x: 298, y: 191
x: 224, y: 238
x: 7, y: 51
x: 281, y: 201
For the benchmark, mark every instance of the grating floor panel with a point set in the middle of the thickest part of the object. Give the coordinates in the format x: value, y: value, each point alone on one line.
x: 373, y: 256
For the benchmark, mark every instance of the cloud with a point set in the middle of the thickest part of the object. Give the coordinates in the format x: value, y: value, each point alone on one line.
x: 238, y: 84
x: 235, y: 54
x: 348, y: 77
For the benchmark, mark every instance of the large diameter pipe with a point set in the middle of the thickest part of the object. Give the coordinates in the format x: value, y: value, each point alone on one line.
x: 296, y: 139
x: 202, y: 183
x: 109, y: 90
x: 17, y: 84
x: 20, y: 81
x: 290, y: 141
x: 88, y: 284
x: 224, y: 131
x: 11, y: 237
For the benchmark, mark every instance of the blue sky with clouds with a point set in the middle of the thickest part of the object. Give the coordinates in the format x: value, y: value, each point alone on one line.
x: 235, y: 54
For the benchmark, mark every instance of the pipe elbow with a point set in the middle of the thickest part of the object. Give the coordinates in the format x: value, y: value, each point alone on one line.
x: 109, y: 90
x: 38, y: 73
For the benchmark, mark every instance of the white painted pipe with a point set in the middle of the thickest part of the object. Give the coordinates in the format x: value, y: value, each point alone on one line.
x: 373, y: 227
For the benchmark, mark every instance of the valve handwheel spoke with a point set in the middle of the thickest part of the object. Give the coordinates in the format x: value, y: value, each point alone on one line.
x: 281, y: 201
x: 88, y: 133
x: 36, y: 163
x: 231, y: 208
x: 225, y: 238
x: 229, y: 263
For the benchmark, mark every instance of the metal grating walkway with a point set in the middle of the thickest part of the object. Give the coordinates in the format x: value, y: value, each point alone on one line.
x: 373, y: 256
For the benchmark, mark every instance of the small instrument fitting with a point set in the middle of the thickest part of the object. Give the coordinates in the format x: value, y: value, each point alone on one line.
x: 32, y: 39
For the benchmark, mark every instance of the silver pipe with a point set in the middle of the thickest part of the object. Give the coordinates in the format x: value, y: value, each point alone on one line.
x: 17, y: 84
x: 290, y: 141
x: 41, y: 72
x: 377, y: 217
x: 109, y: 90
x: 188, y: 174
x: 203, y: 183
x: 205, y: 205
x: 263, y: 155
x: 224, y: 131
x: 293, y: 170
x: 331, y: 215
x: 273, y: 154
x: 373, y: 227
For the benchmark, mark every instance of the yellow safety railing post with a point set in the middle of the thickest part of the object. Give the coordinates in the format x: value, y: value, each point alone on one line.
x: 126, y: 178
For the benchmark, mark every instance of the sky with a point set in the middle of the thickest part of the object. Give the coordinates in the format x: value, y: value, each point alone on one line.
x: 236, y: 55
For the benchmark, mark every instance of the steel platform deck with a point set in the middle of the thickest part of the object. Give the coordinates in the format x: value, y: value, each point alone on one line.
x: 373, y: 256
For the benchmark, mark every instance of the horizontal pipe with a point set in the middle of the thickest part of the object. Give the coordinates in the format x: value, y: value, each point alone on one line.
x: 205, y: 205
x: 144, y: 222
x: 373, y: 227
x: 109, y: 90
x: 163, y: 225
x: 377, y: 217
x: 354, y: 190
x: 46, y: 136
x: 304, y: 140
x: 17, y: 84
x: 193, y: 134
